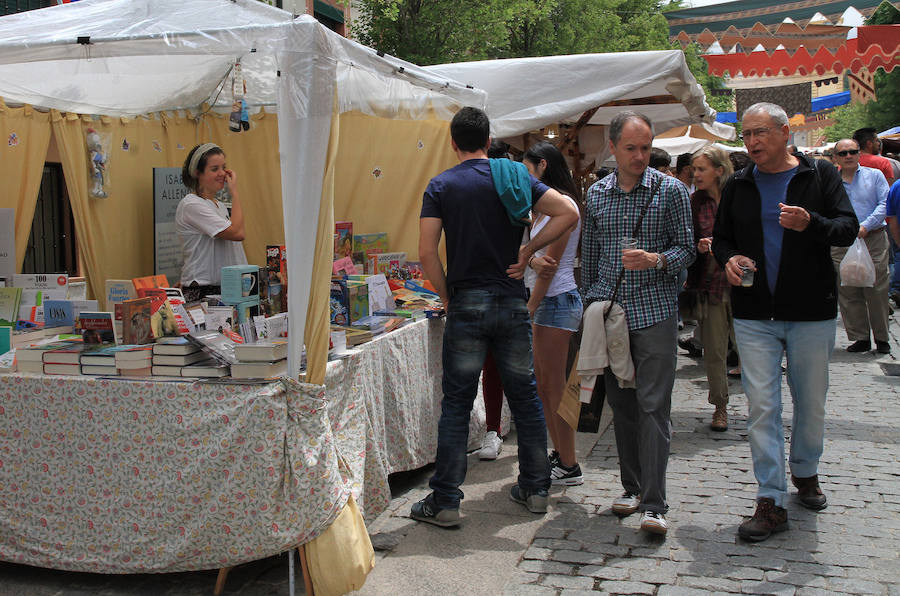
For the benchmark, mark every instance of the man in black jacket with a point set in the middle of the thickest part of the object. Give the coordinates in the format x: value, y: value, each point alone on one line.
x: 776, y: 222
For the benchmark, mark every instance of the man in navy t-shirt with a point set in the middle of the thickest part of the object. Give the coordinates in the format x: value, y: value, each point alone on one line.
x: 484, y: 296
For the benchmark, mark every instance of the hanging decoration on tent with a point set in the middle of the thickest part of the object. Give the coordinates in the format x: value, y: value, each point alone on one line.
x: 240, y: 115
x: 98, y: 153
x: 12, y: 140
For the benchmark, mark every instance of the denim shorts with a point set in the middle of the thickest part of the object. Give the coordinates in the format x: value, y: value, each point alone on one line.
x: 562, y: 311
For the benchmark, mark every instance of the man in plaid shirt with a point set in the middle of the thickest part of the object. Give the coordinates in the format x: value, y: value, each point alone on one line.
x: 647, y: 293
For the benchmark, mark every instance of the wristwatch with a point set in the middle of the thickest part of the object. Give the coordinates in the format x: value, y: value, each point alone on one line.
x: 659, y: 261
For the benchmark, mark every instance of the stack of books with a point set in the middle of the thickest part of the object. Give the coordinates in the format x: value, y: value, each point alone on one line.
x: 261, y: 360
x: 134, y: 361
x: 31, y: 358
x: 178, y: 357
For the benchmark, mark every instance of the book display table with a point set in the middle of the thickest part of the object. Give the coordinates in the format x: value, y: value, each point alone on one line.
x: 135, y: 476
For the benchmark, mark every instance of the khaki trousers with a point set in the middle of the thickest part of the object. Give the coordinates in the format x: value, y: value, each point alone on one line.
x: 714, y: 324
x: 866, y: 310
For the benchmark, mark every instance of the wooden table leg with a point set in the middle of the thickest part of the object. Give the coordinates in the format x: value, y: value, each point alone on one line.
x: 304, y: 567
x: 220, y: 581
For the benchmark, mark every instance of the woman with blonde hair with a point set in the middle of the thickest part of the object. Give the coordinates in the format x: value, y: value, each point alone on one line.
x: 706, y: 282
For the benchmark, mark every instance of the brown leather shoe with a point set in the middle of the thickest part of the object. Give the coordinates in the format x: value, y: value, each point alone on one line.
x: 810, y: 493
x: 719, y: 419
x: 767, y: 520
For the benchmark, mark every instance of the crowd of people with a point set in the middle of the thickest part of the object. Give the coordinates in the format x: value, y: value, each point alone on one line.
x: 747, y: 244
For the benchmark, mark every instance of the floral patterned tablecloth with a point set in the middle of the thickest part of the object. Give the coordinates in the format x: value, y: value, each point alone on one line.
x: 136, y: 476
x: 132, y: 476
x: 384, y: 402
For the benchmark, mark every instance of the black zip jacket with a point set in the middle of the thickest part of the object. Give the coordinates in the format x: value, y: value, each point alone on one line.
x: 806, y: 288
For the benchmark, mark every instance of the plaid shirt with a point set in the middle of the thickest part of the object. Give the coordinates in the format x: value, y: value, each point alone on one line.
x: 647, y: 296
x: 705, y: 275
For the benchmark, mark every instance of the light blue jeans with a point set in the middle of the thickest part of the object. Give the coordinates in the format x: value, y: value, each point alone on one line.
x: 808, y: 346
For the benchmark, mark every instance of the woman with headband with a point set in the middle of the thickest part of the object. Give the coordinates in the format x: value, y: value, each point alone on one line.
x: 209, y: 239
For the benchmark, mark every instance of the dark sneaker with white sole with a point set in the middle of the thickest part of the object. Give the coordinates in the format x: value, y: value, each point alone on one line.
x: 534, y: 501
x: 560, y: 475
x: 426, y: 511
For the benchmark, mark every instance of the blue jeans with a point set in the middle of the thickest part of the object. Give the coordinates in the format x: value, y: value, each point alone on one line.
x: 808, y: 346
x: 562, y: 311
x: 478, y: 321
x: 895, y: 266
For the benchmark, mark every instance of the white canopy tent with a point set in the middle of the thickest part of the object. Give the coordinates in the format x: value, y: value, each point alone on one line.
x: 126, y: 57
x: 526, y: 94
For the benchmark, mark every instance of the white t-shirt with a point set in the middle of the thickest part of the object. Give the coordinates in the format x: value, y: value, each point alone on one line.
x: 197, y: 222
x: 564, y: 279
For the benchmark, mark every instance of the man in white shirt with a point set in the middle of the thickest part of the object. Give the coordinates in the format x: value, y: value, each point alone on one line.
x: 865, y: 310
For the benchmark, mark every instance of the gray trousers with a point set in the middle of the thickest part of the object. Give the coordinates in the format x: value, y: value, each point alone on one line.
x: 641, y: 416
x: 866, y: 310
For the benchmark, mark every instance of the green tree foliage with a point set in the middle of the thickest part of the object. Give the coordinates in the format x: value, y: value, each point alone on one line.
x: 847, y: 118
x: 438, y: 31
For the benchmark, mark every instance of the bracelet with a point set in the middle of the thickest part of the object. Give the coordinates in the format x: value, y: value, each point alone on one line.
x: 529, y: 261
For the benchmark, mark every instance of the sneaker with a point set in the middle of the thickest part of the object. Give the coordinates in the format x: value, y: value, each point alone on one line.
x: 719, y: 419
x: 491, y: 446
x: 690, y: 346
x: 553, y: 458
x: 654, y: 522
x: 560, y: 475
x: 860, y: 345
x: 426, y: 511
x: 767, y: 520
x: 534, y: 501
x: 626, y: 504
x: 810, y: 493
x: 882, y: 347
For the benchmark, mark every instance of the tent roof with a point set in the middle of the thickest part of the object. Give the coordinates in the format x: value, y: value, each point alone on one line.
x: 525, y: 94
x: 126, y: 57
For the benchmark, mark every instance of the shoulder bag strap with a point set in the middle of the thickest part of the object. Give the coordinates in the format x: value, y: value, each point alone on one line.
x: 634, y: 234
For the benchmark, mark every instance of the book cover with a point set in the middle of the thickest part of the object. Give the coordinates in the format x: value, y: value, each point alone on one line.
x: 357, y: 300
x: 208, y: 369
x: 364, y: 242
x: 389, y: 263
x: 9, y: 305
x: 43, y: 281
x: 5, y: 339
x: 180, y: 347
x: 62, y: 369
x: 220, y: 318
x: 136, y: 316
x: 339, y: 302
x: 95, y: 369
x: 97, y: 327
x: 275, y: 264
x: 215, y: 344
x: 150, y: 281
x: 70, y: 354
x: 261, y: 351
x: 344, y: 243
x: 179, y: 360
x: 59, y: 313
x: 77, y: 289
x: 259, y: 370
x: 119, y: 290
x: 276, y: 299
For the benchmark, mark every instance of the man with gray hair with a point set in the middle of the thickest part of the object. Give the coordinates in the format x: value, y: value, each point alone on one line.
x: 637, y: 238
x: 865, y: 310
x: 776, y: 222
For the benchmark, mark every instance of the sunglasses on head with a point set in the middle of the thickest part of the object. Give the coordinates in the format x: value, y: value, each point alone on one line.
x: 847, y: 152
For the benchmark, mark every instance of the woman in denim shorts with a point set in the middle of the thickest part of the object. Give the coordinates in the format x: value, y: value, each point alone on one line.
x: 555, y: 306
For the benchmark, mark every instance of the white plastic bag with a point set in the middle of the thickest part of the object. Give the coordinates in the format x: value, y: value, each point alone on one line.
x: 857, y: 268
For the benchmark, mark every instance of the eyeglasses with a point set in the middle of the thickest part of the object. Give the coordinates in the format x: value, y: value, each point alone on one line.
x: 847, y: 152
x: 755, y: 132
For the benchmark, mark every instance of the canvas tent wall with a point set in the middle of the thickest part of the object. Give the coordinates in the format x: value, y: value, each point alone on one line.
x: 584, y: 92
x: 129, y: 57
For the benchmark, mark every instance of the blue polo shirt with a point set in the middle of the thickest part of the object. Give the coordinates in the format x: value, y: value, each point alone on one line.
x: 481, y: 241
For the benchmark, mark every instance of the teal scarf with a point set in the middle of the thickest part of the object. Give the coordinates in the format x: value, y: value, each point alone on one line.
x: 513, y: 183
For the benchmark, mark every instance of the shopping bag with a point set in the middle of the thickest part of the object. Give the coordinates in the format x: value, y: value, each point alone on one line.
x: 569, y: 407
x: 857, y: 269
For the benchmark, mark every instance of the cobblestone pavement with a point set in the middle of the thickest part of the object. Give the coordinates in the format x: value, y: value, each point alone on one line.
x: 850, y: 547
x: 581, y: 548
